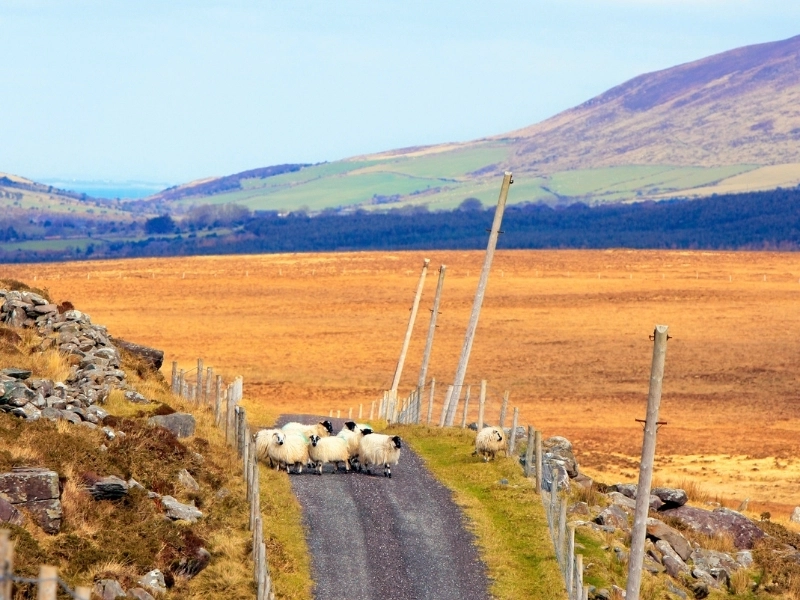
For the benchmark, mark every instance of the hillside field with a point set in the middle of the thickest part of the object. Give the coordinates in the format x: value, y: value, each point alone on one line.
x: 566, y: 332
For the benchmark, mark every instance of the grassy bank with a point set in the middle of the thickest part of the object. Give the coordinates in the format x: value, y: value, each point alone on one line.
x: 508, y: 520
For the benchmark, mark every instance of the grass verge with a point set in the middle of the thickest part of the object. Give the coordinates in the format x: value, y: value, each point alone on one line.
x: 508, y: 520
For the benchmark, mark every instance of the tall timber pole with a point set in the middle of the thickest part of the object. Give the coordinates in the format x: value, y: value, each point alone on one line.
x: 651, y: 423
x: 399, y: 371
x: 426, y: 356
x: 463, y: 360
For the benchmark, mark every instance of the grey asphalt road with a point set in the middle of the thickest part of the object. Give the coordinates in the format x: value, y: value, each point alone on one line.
x: 386, y: 539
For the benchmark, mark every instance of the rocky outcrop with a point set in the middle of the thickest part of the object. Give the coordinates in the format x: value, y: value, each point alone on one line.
x: 178, y: 511
x: 109, y: 589
x: 35, y: 491
x: 150, y: 356
x: 108, y: 488
x: 742, y: 530
x: 658, y: 530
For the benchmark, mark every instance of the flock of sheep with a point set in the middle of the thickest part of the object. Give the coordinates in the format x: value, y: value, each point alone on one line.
x: 296, y: 445
x: 355, y: 446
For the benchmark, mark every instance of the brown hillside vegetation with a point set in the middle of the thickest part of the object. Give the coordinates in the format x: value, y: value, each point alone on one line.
x: 565, y: 331
x: 740, y: 106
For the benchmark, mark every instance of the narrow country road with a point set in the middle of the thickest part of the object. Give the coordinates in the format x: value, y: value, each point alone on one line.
x: 372, y: 537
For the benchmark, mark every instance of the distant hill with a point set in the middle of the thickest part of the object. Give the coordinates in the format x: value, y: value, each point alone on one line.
x: 722, y: 124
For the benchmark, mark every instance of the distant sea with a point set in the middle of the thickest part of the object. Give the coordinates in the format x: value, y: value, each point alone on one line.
x: 109, y: 189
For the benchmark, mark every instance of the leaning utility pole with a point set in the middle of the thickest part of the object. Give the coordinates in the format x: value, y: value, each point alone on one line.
x: 426, y: 356
x: 463, y: 360
x: 399, y: 371
x: 639, y: 532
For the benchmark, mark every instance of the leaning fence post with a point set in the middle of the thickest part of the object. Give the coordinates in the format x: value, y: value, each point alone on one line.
x: 482, y: 404
x: 639, y: 532
x: 430, y: 400
x: 529, y: 452
x: 48, y: 583
x: 512, y: 439
x: 466, y: 408
x: 503, y: 409
x: 6, y: 564
x: 447, y: 397
x: 538, y: 449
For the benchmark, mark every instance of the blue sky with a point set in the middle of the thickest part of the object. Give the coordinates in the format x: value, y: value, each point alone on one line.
x: 174, y: 91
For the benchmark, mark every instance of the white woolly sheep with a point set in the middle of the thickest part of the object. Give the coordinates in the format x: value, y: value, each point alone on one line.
x: 288, y: 449
x: 263, y: 438
x: 328, y: 450
x: 322, y: 429
x: 490, y: 441
x: 379, y: 449
x: 352, y: 433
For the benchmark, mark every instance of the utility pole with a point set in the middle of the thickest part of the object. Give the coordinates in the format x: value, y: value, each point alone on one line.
x: 426, y: 356
x: 399, y: 371
x: 463, y: 360
x: 639, y: 532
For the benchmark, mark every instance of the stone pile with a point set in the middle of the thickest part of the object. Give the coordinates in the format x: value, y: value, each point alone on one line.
x: 95, y: 362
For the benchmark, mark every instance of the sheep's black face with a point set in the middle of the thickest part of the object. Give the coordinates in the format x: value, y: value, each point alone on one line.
x: 499, y: 437
x: 396, y: 440
x: 350, y: 425
x: 327, y: 425
x: 366, y: 431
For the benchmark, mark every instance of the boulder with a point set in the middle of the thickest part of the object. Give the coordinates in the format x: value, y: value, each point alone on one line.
x: 180, y: 512
x: 718, y: 565
x: 139, y: 594
x: 744, y: 558
x: 795, y: 516
x: 180, y: 424
x: 28, y: 412
x: 16, y: 373
x: 620, y: 500
x: 672, y: 562
x: 189, y: 566
x: 744, y: 532
x: 154, y: 581
x: 583, y: 481
x: 47, y: 513
x: 626, y: 489
x: 28, y: 484
x: 659, y: 530
x: 136, y: 397
x: 109, y: 589
x: 614, y: 516
x: 671, y: 497
x: 108, y: 488
x: 557, y: 450
x: 187, y: 481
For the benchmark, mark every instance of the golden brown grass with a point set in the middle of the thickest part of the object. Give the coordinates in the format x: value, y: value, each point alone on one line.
x: 564, y: 331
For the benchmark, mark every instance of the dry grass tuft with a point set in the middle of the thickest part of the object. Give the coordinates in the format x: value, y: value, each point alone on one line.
x: 740, y: 581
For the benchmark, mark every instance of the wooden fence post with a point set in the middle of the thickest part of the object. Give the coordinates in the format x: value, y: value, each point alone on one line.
x: 217, y: 399
x: 47, y: 586
x: 570, y: 560
x: 482, y: 404
x: 466, y: 408
x: 209, y: 383
x: 503, y: 409
x: 399, y: 370
x: 181, y: 382
x: 562, y: 532
x: 529, y: 453
x: 199, y: 386
x: 639, y: 531
x: 512, y: 439
x: 360, y: 411
x: 538, y: 450
x: 229, y: 418
x: 6, y: 564
x: 174, y: 376
x: 579, y: 575
x: 430, y: 400
x: 446, y: 404
x: 371, y: 410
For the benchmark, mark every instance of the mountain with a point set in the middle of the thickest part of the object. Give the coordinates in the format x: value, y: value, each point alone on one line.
x: 722, y: 124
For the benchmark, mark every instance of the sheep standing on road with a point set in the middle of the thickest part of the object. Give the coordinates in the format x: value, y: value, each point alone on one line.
x: 288, y: 448
x: 263, y: 438
x: 352, y: 433
x: 490, y: 441
x: 379, y: 449
x: 329, y: 450
x: 322, y: 429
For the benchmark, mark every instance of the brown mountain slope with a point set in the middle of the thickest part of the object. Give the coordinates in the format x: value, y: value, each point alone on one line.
x: 741, y: 106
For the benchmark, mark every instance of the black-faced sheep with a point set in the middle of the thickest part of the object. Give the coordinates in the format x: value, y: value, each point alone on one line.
x: 490, y: 441
x: 352, y: 433
x: 328, y: 450
x: 289, y: 448
x: 379, y: 449
x: 322, y: 429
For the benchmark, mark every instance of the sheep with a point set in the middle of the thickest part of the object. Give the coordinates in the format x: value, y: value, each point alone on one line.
x: 289, y: 448
x: 329, y: 450
x: 379, y: 449
x: 490, y: 441
x: 352, y: 433
x: 263, y: 438
x: 322, y: 429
